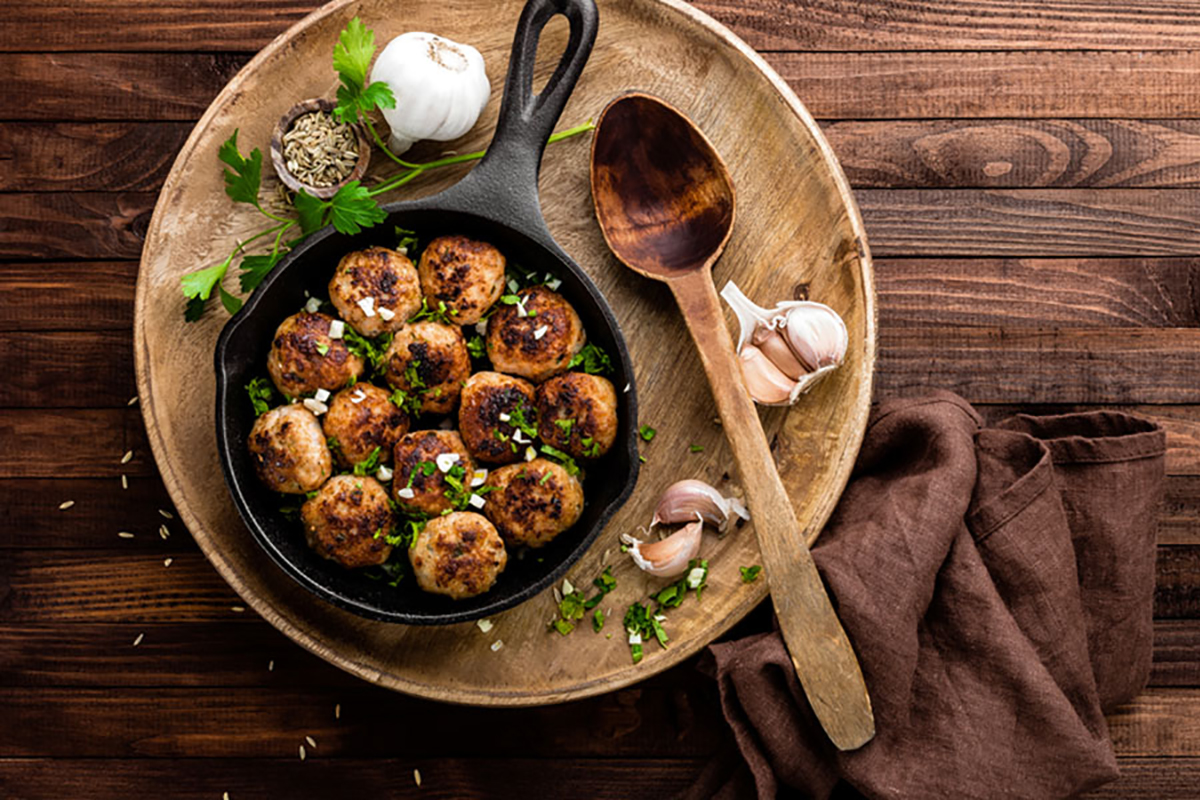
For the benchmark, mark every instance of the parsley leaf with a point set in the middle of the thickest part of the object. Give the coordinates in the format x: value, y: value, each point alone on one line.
x: 558, y: 455
x: 351, y: 57
x: 243, y: 182
x: 565, y: 425
x: 407, y: 242
x: 371, y: 350
x: 598, y: 620
x: 593, y: 360
x: 232, y: 304
x: 261, y: 394
x: 256, y: 268
x: 696, y: 448
x: 443, y: 313
x: 477, y: 347
x: 647, y: 433
x: 368, y: 465
x: 518, y: 420
x: 750, y: 574
x: 353, y: 209
x: 199, y: 285
x: 310, y: 211
x: 194, y: 309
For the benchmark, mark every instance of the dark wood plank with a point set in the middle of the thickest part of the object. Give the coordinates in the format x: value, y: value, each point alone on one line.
x: 134, y: 586
x: 1015, y: 153
x: 1179, y: 522
x: 93, y: 296
x: 86, y: 157
x: 272, y: 723
x: 1039, y: 293
x: 95, y: 87
x: 850, y: 25
x: 1176, y: 646
x: 90, y: 225
x: 67, y: 369
x: 1151, y: 779
x: 1031, y: 222
x: 391, y: 778
x: 1159, y: 722
x: 996, y: 85
x: 33, y: 521
x: 88, y: 443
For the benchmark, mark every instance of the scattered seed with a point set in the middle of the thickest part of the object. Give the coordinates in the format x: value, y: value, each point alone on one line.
x: 604, y: 558
x: 496, y: 645
x: 125, y: 459
x: 125, y: 535
x: 163, y: 532
x: 124, y: 481
x: 310, y: 741
x: 302, y: 753
x: 162, y: 512
x: 138, y: 640
x: 337, y: 711
x: 271, y: 665
x: 167, y: 562
x: 132, y: 401
x: 237, y: 609
x: 417, y: 776
x: 225, y: 796
x: 319, y: 150
x: 65, y: 505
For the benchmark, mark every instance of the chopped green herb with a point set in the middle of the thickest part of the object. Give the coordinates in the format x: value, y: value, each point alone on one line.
x: 443, y: 313
x: 369, y: 465
x: 647, y: 433
x: 605, y: 583
x: 562, y: 626
x: 261, y: 394
x: 598, y: 620
x: 407, y: 242
x: 412, y: 377
x: 695, y: 448
x: 565, y: 425
x: 567, y: 462
x: 545, y: 478
x: 641, y: 458
x: 571, y: 606
x: 409, y: 403
x: 517, y: 419
x: 593, y: 360
x: 372, y: 351
x: 477, y: 347
x: 750, y: 574
x: 591, y: 448
x: 322, y: 348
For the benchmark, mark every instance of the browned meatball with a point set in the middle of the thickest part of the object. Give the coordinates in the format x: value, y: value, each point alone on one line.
x: 577, y: 413
x: 417, y: 483
x: 347, y: 521
x: 288, y: 450
x: 459, y: 555
x: 430, y: 360
x: 362, y: 418
x: 540, y: 344
x: 492, y: 405
x: 387, y: 280
x: 466, y: 275
x: 533, y: 502
x: 304, y: 359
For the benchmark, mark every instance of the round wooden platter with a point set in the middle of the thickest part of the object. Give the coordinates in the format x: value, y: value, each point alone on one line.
x: 798, y: 233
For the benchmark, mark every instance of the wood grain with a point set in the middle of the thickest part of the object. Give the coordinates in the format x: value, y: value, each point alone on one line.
x: 85, y: 157
x: 69, y: 369
x: 77, y: 296
x: 1151, y: 779
x: 87, y: 225
x: 101, y: 507
x: 98, y: 439
x: 969, y: 153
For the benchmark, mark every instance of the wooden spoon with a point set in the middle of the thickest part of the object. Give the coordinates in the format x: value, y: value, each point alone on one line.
x: 665, y: 203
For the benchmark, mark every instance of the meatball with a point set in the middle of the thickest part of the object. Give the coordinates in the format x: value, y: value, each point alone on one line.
x: 429, y: 360
x: 577, y: 413
x: 533, y: 502
x: 459, y: 555
x: 468, y: 276
x: 384, y: 277
x: 541, y: 343
x: 419, y: 486
x: 288, y: 450
x: 303, y: 358
x: 362, y: 418
x: 347, y: 521
x: 492, y: 406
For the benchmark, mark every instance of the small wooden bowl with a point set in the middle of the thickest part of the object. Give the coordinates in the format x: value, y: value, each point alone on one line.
x: 280, y: 163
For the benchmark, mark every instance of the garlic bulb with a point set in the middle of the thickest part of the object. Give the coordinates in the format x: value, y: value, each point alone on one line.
x: 787, y: 349
x: 440, y: 86
x: 685, y: 499
x: 669, y: 557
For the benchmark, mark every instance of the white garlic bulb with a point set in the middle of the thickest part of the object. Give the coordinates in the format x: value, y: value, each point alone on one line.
x: 787, y: 349
x: 440, y: 86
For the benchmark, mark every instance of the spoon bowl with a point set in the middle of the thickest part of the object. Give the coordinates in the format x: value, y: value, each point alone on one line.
x: 663, y: 194
x: 665, y: 203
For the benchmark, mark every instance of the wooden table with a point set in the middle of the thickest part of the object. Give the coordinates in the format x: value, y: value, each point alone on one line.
x: 1029, y: 182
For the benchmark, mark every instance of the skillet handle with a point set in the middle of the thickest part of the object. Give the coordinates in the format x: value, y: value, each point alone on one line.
x: 505, y: 182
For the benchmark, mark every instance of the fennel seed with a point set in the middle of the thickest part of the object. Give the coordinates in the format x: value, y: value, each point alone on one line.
x: 319, y: 150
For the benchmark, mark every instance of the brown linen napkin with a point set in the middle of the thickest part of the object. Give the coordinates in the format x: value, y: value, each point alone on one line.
x: 997, y: 585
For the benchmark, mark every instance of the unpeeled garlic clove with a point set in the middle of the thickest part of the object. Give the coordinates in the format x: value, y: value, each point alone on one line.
x: 669, y: 557
x: 766, y: 382
x: 817, y: 335
x: 685, y: 499
x: 777, y: 350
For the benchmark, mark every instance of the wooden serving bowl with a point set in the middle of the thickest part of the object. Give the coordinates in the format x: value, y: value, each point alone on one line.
x: 280, y: 163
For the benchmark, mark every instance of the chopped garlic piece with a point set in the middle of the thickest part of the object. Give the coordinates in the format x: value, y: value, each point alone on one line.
x: 530, y: 454
x: 384, y: 474
x: 315, y: 406
x: 504, y: 417
x: 337, y: 329
x: 478, y: 477
x: 513, y: 286
x: 521, y: 312
x: 538, y: 333
x: 476, y: 501
x: 485, y: 625
x: 321, y: 395
x: 481, y: 327
x: 695, y: 576
x: 496, y: 645
x: 628, y: 386
x: 386, y: 314
x: 446, y: 460
x: 520, y: 438
x: 406, y: 493
x: 313, y: 305
x: 568, y: 587
x: 358, y: 396
x: 554, y: 284
x: 367, y: 304
x: 635, y: 638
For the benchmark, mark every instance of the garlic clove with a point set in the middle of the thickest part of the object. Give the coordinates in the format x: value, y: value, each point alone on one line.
x: 765, y: 382
x: 777, y: 350
x: 817, y: 335
x: 684, y: 500
x: 669, y: 557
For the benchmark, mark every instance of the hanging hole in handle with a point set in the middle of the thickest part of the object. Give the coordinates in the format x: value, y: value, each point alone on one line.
x: 552, y: 43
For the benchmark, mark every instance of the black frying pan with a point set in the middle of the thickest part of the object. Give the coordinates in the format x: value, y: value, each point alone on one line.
x: 496, y: 202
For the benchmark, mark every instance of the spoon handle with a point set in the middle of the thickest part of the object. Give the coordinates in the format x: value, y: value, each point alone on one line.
x: 822, y: 655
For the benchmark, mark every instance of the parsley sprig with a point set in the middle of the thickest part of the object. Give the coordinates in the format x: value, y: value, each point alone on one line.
x: 350, y: 210
x: 262, y: 393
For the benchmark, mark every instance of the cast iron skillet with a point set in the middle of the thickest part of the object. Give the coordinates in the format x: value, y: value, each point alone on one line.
x: 498, y: 203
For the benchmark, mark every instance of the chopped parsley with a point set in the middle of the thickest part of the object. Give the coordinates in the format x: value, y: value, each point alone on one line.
x: 565, y: 425
x: 695, y: 448
x: 409, y: 403
x: 517, y: 419
x: 261, y: 394
x: 573, y: 605
x: 591, y: 448
x: 567, y: 462
x: 407, y: 242
x: 593, y: 360
x: 647, y: 433
x: 477, y: 347
x: 598, y: 620
x: 443, y: 313
x: 373, y: 351
x: 545, y: 478
x: 369, y: 465
x: 750, y: 574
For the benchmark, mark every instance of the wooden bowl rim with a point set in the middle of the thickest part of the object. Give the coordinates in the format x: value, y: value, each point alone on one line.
x: 277, y: 160
x: 755, y: 593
